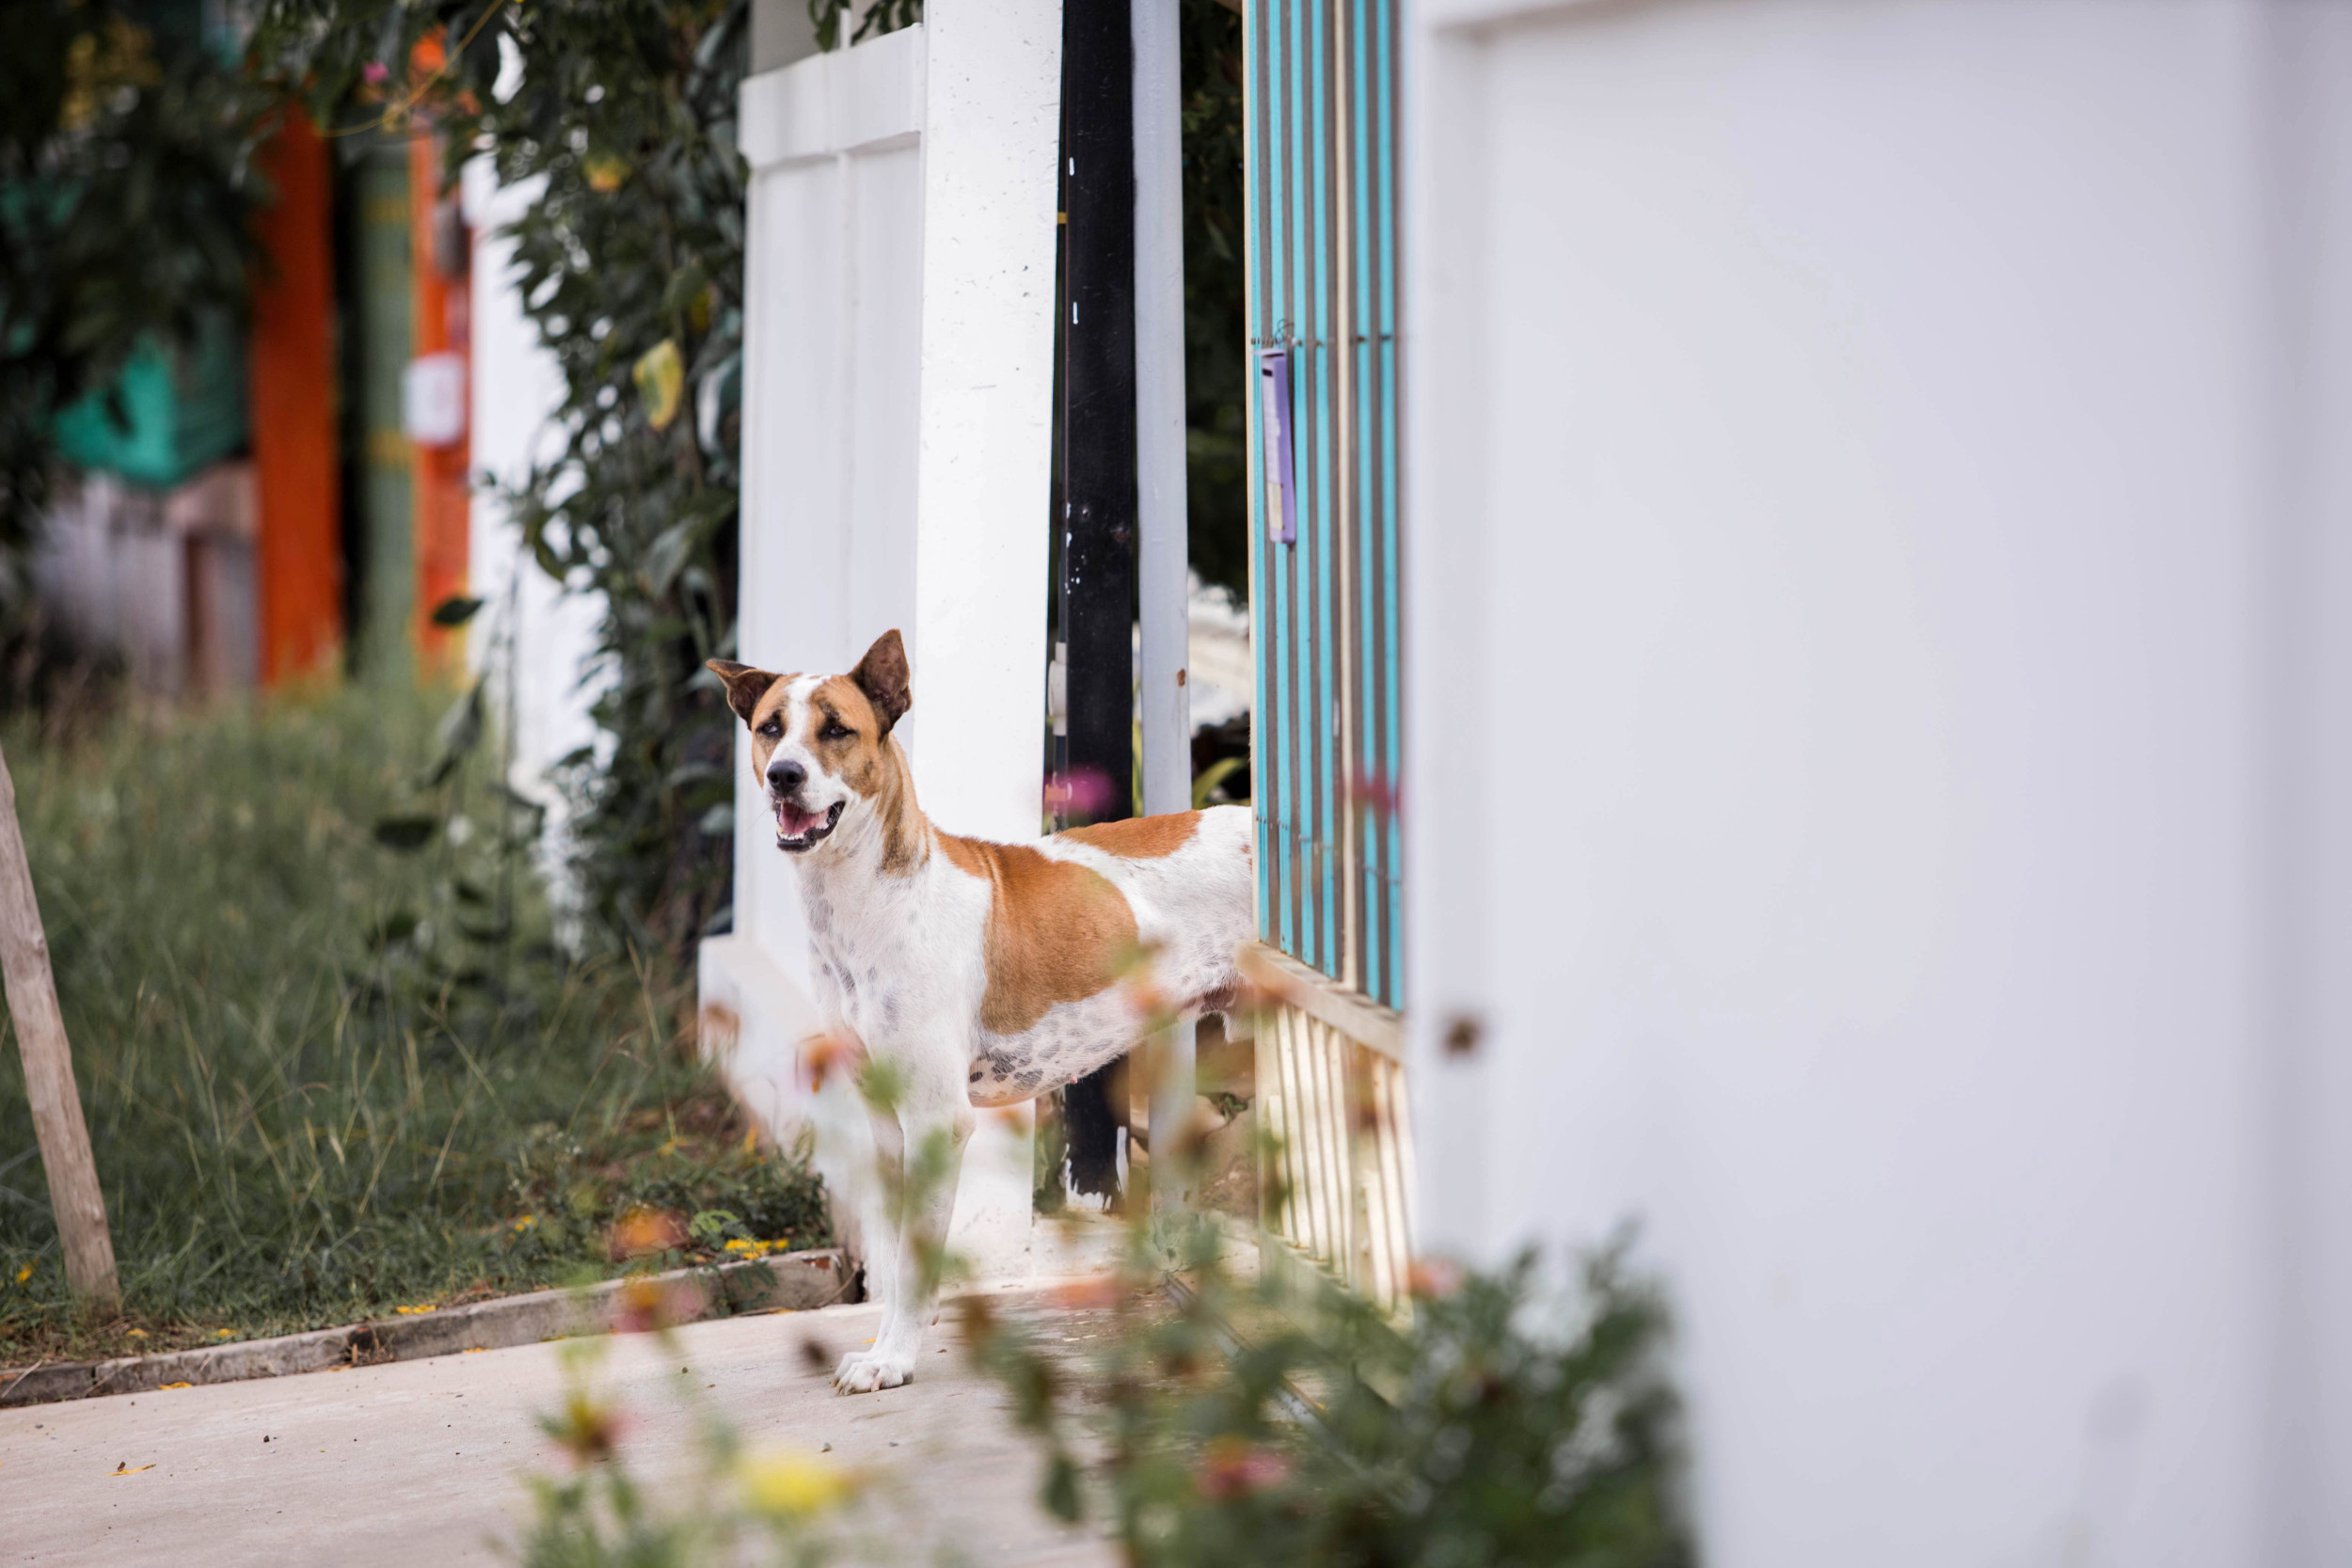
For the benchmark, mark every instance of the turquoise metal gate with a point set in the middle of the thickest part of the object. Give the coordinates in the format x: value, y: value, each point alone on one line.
x: 1321, y: 172
x: 1323, y: 312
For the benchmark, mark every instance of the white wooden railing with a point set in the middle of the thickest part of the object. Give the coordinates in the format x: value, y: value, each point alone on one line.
x: 1336, y: 1181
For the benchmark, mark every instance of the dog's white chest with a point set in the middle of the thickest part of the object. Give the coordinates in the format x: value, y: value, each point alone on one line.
x: 895, y: 957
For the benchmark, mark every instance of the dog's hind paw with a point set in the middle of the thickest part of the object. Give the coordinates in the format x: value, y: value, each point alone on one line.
x: 871, y: 1371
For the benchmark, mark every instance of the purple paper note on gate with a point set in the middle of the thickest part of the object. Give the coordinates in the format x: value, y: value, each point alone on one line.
x: 1274, y: 423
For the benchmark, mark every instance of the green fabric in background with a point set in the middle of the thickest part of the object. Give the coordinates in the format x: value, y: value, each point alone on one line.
x: 183, y: 411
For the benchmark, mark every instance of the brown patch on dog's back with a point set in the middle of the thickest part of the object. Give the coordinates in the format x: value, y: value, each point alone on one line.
x: 1057, y: 931
x: 1139, y: 838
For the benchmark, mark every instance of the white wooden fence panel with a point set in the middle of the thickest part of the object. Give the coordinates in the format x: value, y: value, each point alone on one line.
x: 830, y: 373
x: 897, y: 442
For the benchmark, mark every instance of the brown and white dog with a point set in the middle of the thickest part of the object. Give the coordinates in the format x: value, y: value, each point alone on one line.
x: 983, y: 974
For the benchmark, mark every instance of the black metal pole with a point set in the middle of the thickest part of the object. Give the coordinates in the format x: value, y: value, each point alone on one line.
x: 1098, y: 585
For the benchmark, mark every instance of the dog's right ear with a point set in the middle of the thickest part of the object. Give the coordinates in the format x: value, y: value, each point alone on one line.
x: 745, y: 684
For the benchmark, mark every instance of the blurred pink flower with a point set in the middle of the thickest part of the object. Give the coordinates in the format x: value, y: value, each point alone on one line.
x: 1375, y: 792
x: 1081, y: 792
x: 1235, y: 1468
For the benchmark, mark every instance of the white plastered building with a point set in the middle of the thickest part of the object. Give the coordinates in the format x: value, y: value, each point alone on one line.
x: 1881, y: 784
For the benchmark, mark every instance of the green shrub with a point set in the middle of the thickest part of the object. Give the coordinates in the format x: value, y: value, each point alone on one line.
x: 630, y: 265
x: 1505, y: 1424
x: 1500, y: 1423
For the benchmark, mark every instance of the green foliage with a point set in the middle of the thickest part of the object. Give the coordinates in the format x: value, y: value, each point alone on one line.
x: 125, y: 202
x: 1506, y: 1425
x: 1493, y: 1422
x: 327, y: 1070
x: 1501, y: 1425
x: 880, y: 16
x: 633, y: 270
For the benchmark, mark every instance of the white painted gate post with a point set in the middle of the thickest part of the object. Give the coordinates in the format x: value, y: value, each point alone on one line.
x: 1162, y: 678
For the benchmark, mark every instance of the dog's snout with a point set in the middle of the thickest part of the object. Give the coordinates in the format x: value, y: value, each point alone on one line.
x: 784, y: 775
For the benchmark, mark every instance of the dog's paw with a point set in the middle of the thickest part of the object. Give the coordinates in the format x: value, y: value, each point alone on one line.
x: 871, y: 1372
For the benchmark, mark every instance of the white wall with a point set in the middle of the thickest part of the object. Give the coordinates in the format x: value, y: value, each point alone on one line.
x: 1880, y: 767
x: 517, y: 391
x: 897, y: 398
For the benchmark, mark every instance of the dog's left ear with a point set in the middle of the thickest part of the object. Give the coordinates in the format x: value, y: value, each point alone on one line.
x: 745, y: 684
x: 882, y: 674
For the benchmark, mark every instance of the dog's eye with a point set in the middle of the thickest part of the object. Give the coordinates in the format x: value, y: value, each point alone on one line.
x: 835, y: 731
x: 772, y: 729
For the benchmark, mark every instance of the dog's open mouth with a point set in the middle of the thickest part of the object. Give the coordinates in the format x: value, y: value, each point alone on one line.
x: 800, y: 829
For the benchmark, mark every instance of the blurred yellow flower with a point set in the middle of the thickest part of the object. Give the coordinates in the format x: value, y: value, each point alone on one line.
x: 412, y: 1311
x: 525, y: 1222
x: 135, y: 1333
x: 795, y: 1482
x: 743, y: 1248
x: 24, y: 1273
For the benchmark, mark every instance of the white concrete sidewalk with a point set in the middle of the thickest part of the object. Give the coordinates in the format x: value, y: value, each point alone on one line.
x: 422, y: 1461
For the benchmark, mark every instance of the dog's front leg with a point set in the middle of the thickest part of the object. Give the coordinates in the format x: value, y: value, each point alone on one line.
x: 930, y: 1127
x: 878, y: 1238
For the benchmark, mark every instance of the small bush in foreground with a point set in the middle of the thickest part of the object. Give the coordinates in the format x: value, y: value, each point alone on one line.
x: 1505, y: 1424
x: 1502, y: 1424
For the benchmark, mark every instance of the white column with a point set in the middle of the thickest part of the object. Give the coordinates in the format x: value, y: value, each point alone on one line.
x: 984, y: 473
x: 1160, y: 485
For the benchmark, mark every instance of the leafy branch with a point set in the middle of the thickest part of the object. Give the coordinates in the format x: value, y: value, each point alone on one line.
x: 620, y: 116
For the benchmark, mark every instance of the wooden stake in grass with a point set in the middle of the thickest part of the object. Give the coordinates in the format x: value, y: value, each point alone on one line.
x: 65, y: 1152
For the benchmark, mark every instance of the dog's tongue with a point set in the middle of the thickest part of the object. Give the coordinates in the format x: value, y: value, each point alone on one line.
x: 794, y: 823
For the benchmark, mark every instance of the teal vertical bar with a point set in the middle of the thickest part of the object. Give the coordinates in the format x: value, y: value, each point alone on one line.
x: 1307, y: 388
x: 1363, y: 744
x: 1297, y: 650
x: 1326, y: 881
x: 1385, y: 143
x: 1254, y: 313
x: 1284, y: 650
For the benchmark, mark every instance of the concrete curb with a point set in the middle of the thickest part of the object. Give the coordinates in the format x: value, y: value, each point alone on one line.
x: 792, y: 1281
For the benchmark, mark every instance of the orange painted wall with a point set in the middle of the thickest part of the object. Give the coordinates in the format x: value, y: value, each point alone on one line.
x: 292, y: 398
x: 443, y: 496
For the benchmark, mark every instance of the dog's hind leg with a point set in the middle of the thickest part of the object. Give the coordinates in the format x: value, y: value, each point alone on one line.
x: 925, y: 1139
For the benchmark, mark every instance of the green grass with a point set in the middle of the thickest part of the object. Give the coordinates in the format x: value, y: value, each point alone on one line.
x: 325, y: 1078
